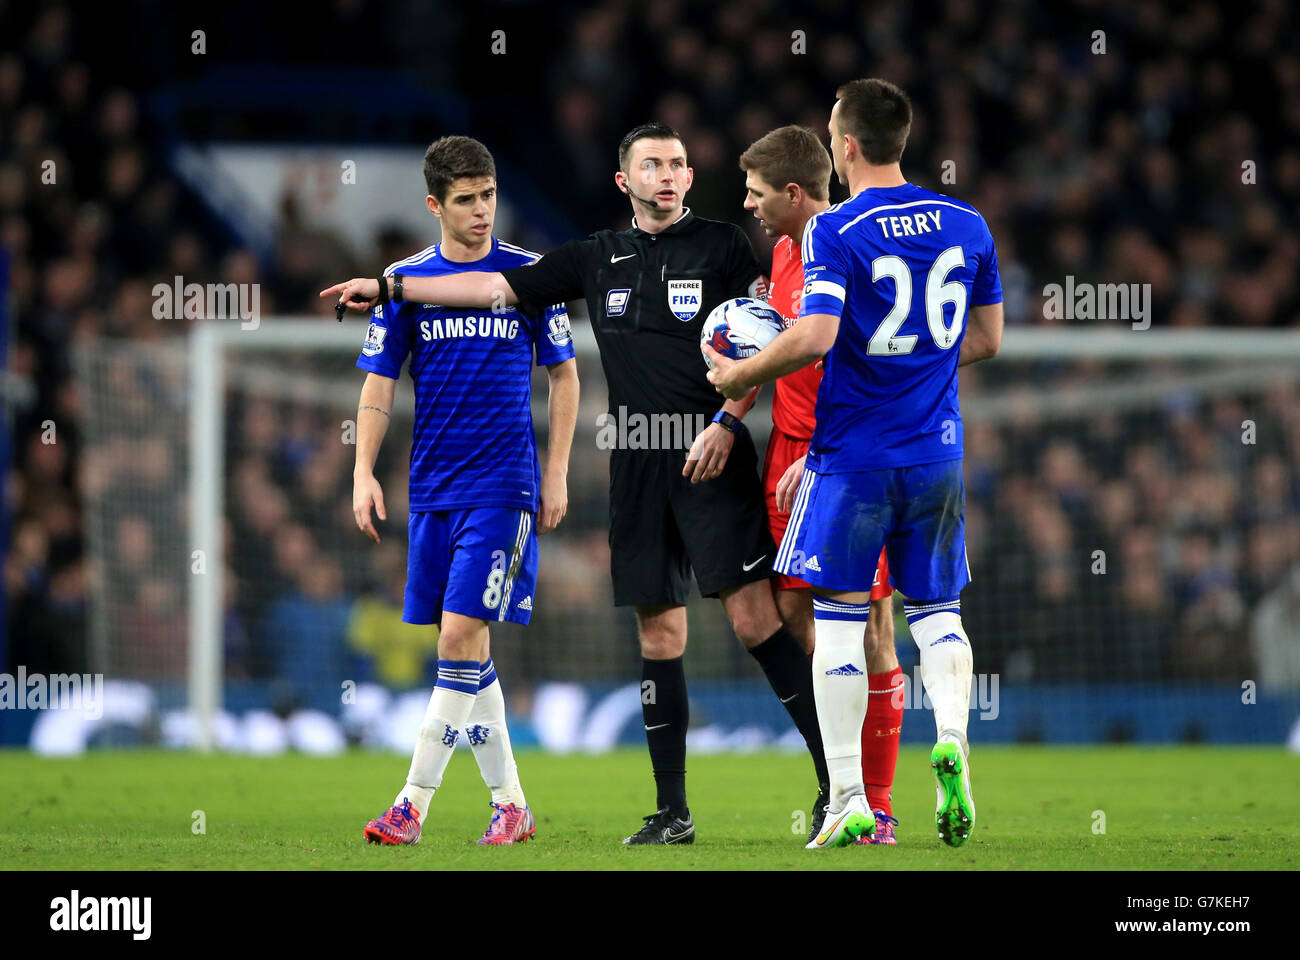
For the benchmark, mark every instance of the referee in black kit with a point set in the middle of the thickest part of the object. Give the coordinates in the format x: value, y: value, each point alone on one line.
x: 648, y: 290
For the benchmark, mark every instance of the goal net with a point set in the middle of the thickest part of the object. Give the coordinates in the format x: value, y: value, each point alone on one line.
x: 1132, y: 530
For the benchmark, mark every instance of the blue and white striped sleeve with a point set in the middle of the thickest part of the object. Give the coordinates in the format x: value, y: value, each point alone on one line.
x: 825, y: 270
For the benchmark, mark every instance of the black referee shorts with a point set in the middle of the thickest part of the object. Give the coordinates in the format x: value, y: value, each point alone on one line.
x: 662, y: 527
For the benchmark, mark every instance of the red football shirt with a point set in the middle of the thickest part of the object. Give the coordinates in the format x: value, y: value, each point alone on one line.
x: 795, y: 404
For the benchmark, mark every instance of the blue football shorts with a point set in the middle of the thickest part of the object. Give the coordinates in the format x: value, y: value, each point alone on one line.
x: 478, y: 562
x: 840, y: 521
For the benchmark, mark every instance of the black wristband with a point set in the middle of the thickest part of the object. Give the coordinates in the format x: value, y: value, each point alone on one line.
x: 383, y: 289
x: 397, y: 288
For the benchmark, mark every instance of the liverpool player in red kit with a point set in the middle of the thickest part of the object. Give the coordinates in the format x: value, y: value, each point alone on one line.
x: 787, y: 176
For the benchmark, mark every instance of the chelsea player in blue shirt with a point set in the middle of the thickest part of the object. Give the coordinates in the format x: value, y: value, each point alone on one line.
x: 900, y: 289
x: 477, y: 497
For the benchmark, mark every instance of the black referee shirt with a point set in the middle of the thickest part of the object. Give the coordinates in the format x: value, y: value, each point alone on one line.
x: 648, y: 295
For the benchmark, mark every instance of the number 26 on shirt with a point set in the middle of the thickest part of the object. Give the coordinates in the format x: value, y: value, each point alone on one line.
x: 938, y: 291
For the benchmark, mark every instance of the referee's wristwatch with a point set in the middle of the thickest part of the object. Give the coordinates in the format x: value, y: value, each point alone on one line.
x: 728, y: 422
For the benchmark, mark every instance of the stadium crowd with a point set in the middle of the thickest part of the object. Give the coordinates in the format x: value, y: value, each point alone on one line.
x: 1173, y: 158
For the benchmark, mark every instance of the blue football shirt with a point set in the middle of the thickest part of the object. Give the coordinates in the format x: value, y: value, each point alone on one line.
x: 474, y: 444
x: 901, y: 267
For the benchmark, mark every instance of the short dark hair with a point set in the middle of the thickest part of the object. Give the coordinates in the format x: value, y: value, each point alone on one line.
x: 654, y: 130
x: 878, y: 115
x: 791, y: 154
x: 452, y: 158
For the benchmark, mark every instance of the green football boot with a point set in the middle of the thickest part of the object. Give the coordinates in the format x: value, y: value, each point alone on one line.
x: 954, y: 813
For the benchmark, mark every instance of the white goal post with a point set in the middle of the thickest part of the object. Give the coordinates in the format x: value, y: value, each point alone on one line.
x: 1268, y: 355
x: 209, y: 342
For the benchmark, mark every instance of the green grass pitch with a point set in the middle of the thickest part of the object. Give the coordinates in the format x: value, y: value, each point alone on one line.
x: 1165, y: 808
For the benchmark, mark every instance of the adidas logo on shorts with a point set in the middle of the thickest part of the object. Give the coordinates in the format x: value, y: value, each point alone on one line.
x: 526, y: 603
x: 848, y: 670
x: 812, y: 564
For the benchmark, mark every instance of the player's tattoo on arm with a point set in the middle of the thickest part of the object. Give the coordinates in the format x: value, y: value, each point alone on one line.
x: 369, y: 407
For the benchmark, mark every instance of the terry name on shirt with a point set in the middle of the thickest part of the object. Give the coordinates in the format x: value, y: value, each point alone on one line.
x: 909, y: 226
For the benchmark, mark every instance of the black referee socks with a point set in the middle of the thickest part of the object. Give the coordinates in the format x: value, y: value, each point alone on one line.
x: 789, y: 671
x: 667, y: 713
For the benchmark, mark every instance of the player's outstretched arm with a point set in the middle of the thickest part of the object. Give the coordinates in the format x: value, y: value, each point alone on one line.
x: 983, y: 334
x: 563, y: 409
x: 476, y: 289
x: 373, y: 413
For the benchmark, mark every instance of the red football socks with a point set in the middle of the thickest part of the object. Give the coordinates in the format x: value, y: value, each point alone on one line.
x: 880, y: 736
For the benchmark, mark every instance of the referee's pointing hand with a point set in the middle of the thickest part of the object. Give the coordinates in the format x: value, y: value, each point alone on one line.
x: 359, y: 293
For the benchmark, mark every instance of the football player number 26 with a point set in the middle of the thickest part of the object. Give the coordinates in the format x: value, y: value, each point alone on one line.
x: 938, y: 291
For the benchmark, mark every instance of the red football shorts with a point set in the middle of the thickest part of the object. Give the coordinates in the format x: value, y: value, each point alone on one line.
x: 783, y: 450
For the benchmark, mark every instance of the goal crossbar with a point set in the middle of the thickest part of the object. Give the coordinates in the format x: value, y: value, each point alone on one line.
x: 210, y: 341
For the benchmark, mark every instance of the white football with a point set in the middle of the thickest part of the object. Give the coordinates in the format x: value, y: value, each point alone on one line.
x: 740, y: 328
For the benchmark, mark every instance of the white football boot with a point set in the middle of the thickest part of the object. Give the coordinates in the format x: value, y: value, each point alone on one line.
x: 843, y: 827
